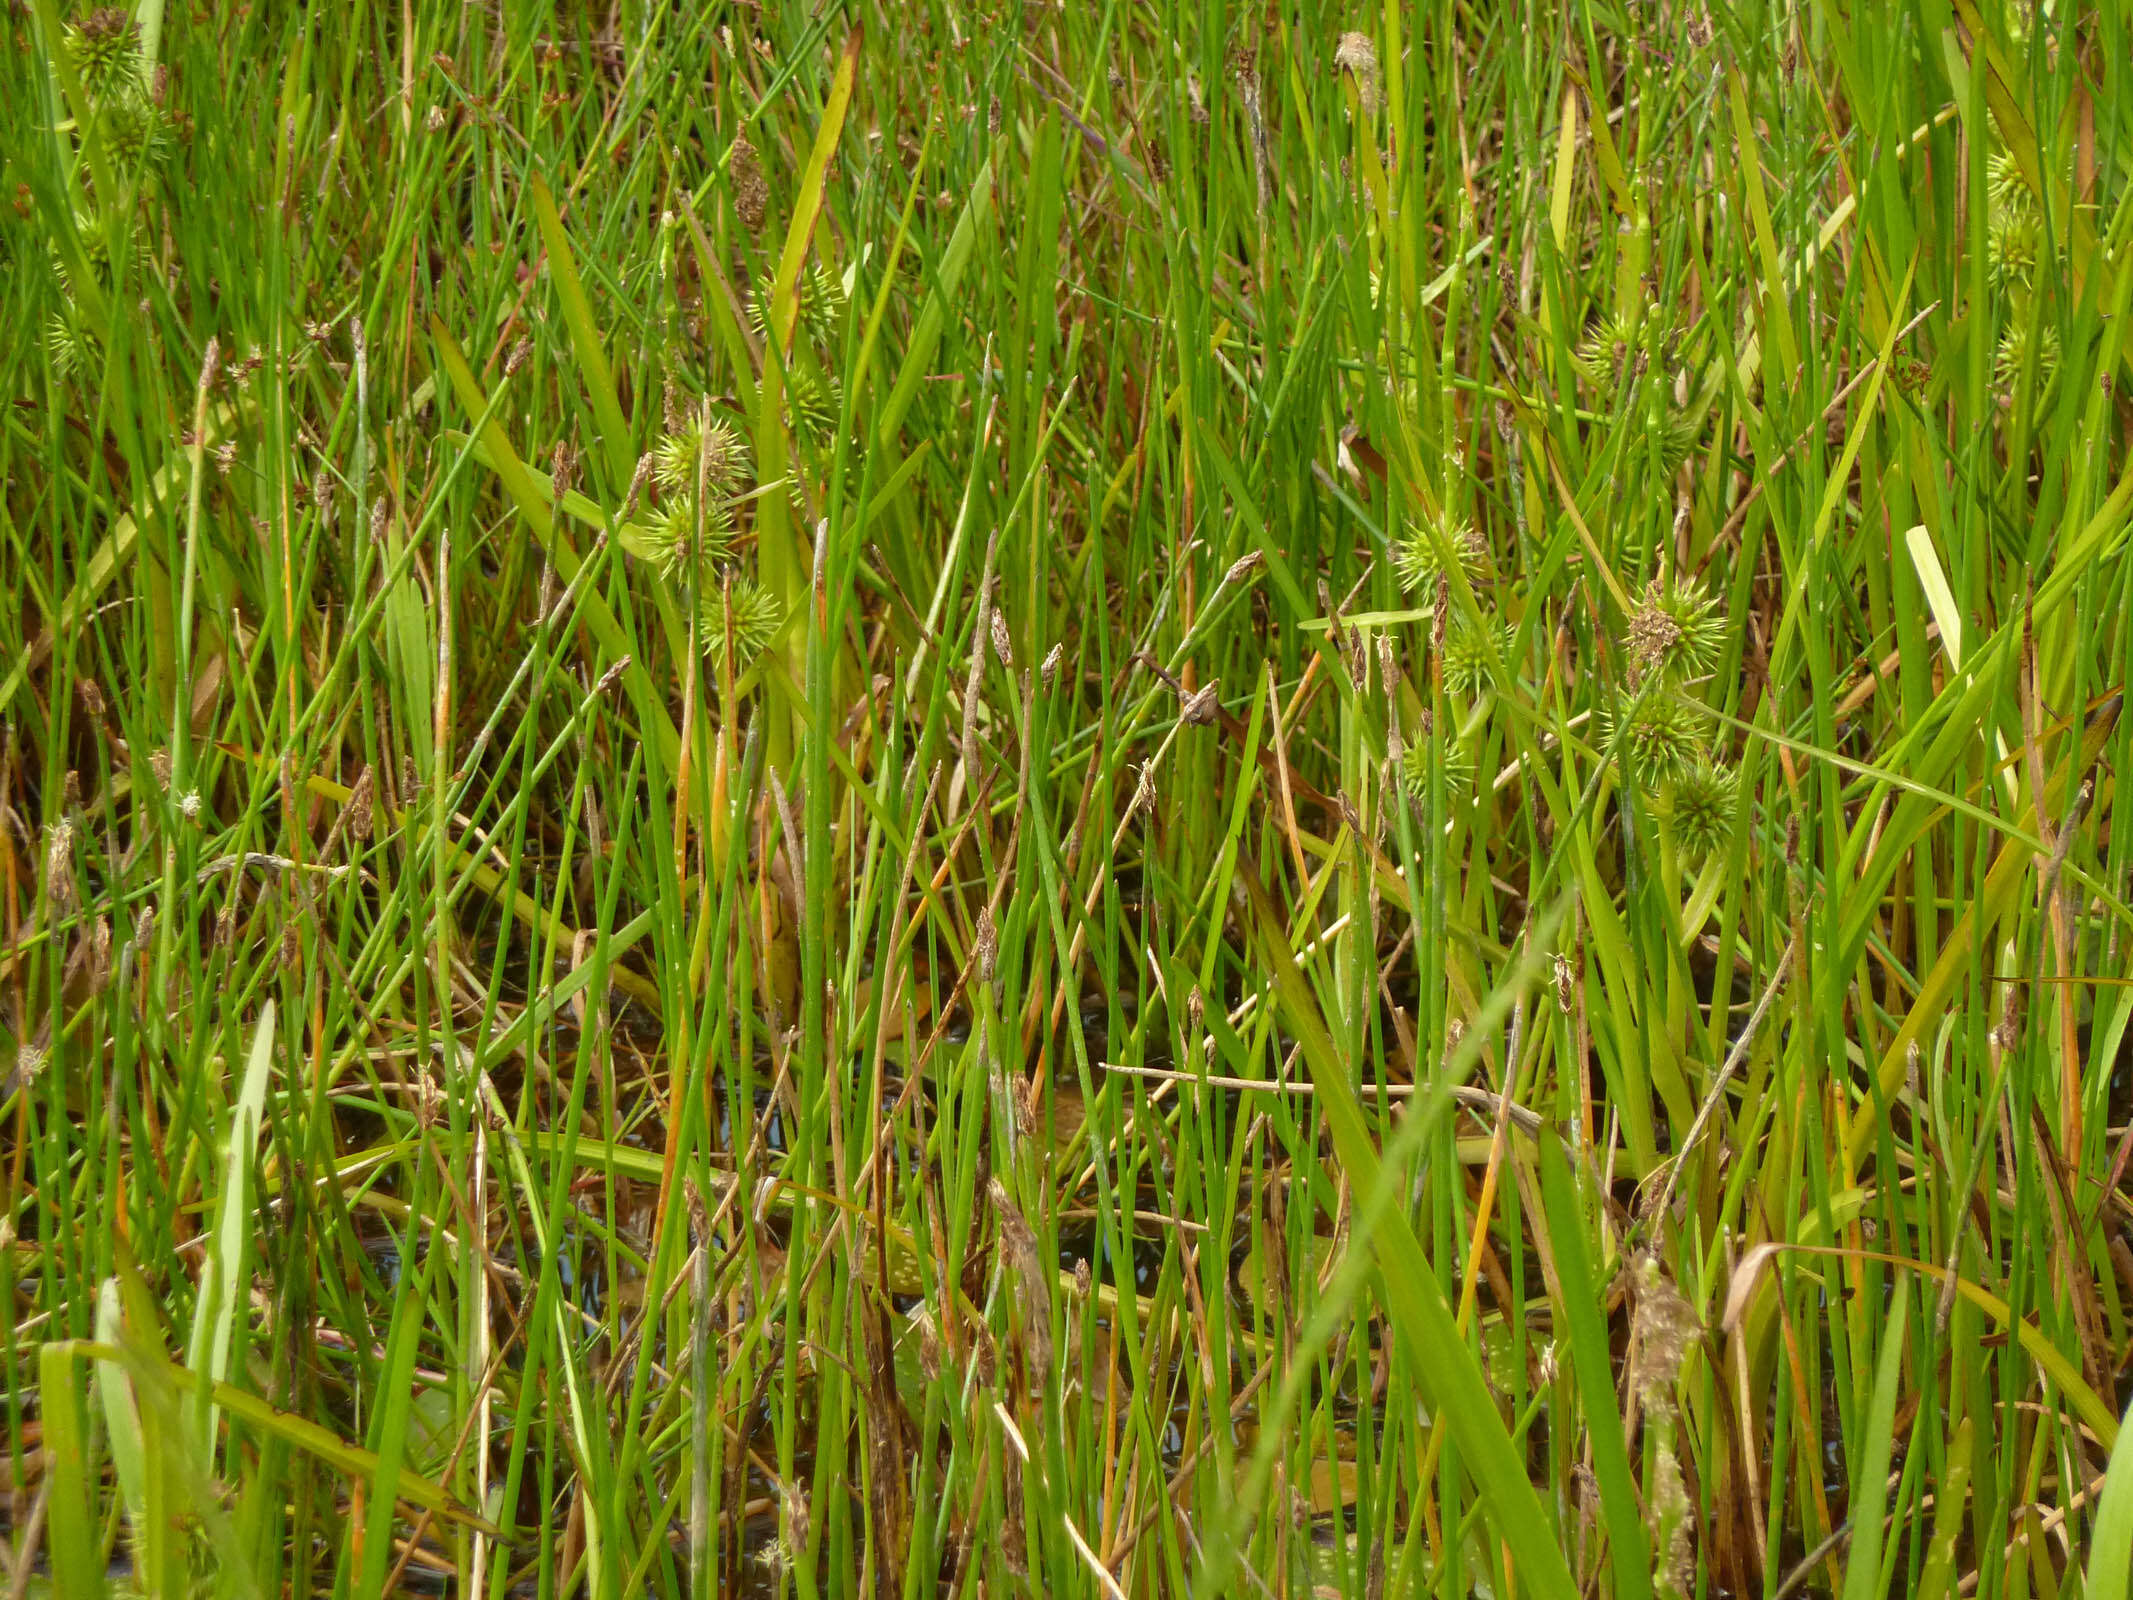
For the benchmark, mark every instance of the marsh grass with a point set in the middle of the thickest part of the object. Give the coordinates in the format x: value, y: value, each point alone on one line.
x: 1104, y: 800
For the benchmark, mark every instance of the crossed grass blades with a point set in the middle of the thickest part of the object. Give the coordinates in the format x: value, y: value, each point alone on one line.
x: 1106, y: 801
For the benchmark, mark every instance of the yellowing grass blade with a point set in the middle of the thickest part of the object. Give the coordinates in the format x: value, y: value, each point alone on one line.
x: 783, y: 561
x: 1940, y: 599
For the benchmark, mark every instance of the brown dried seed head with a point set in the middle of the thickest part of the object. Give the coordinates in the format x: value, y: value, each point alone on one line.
x: 59, y: 866
x: 100, y: 953
x: 1652, y: 634
x: 2009, y: 1033
x: 361, y: 800
x: 1666, y: 1326
x: 1356, y: 54
x: 563, y: 467
x: 1144, y: 790
x: 751, y: 195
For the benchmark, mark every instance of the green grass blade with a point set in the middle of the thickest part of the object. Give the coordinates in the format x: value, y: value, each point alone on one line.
x: 1444, y: 1366
x: 1863, y: 1577
x: 1629, y: 1551
x: 70, y: 1519
x: 222, y: 1285
x: 585, y: 343
x: 2110, y: 1568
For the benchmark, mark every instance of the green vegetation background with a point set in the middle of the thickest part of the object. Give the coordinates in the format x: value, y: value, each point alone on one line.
x: 1111, y: 799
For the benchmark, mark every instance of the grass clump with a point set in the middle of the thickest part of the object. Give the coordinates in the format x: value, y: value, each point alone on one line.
x: 1343, y: 821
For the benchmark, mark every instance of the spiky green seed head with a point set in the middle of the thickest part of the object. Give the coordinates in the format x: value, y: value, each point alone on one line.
x: 1699, y: 808
x: 106, y: 47
x: 1609, y: 353
x: 1660, y: 734
x: 736, y: 620
x: 1457, y: 765
x: 821, y: 295
x: 1466, y: 655
x: 812, y: 403
x: 1428, y: 548
x: 2015, y: 247
x: 703, y: 450
x: 2005, y: 186
x: 1675, y: 632
x: 72, y: 350
x: 2013, y: 350
x: 106, y: 239
x: 691, y: 535
x: 135, y: 131
x: 821, y: 302
x: 1676, y: 433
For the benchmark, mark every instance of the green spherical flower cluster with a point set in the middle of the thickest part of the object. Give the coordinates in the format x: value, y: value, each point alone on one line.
x: 1467, y: 668
x: 702, y: 454
x: 2015, y: 246
x: 71, y: 349
x: 1450, y: 756
x: 1609, y: 352
x: 106, y: 50
x: 812, y: 402
x: 1428, y: 549
x: 1677, y: 434
x: 821, y: 297
x: 1675, y: 633
x: 691, y: 534
x: 135, y: 131
x: 1660, y: 734
x: 2013, y: 349
x: 1698, y: 807
x: 698, y: 465
x: 736, y: 619
x: 2004, y: 184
